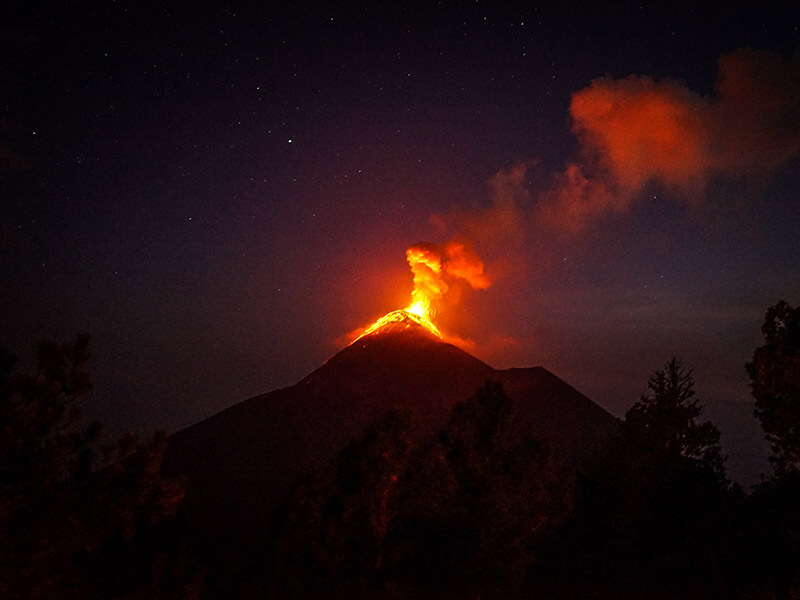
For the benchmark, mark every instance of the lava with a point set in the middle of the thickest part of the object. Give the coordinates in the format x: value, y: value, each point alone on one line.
x: 403, y: 316
x: 429, y: 264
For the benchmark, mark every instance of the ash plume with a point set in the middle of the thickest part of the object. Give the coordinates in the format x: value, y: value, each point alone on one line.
x: 636, y: 130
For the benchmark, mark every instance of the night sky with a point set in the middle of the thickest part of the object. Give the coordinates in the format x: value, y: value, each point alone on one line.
x: 218, y: 196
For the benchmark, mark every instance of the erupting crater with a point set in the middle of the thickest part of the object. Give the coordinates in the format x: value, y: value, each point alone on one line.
x: 430, y: 264
x: 401, y: 319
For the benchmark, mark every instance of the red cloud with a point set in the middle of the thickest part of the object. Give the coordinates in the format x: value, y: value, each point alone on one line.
x: 640, y: 130
x: 636, y: 130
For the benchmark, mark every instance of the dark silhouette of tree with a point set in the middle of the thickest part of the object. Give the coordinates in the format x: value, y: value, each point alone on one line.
x: 655, y: 506
x: 399, y: 516
x: 770, y: 548
x: 773, y: 510
x: 486, y: 495
x: 665, y: 421
x: 331, y: 539
x: 67, y: 528
x: 775, y: 383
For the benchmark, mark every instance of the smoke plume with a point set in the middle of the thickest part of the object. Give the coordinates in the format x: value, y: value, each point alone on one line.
x: 431, y: 263
x: 636, y: 130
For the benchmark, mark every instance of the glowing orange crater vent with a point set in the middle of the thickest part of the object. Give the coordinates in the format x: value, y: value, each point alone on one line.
x: 429, y: 264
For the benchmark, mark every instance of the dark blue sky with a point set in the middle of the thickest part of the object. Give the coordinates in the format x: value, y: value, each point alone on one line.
x: 219, y: 195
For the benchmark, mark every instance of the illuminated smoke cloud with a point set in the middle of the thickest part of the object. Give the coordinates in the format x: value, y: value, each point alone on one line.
x: 426, y: 265
x: 461, y: 262
x: 635, y: 130
x: 498, y: 229
x: 430, y: 263
x: 642, y: 130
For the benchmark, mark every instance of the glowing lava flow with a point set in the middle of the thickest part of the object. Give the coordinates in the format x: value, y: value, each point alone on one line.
x: 399, y: 316
x: 428, y: 264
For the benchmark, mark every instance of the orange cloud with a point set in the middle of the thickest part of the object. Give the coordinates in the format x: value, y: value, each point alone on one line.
x: 575, y: 200
x: 498, y: 229
x: 635, y: 130
x: 431, y: 263
x: 462, y: 262
x: 642, y: 130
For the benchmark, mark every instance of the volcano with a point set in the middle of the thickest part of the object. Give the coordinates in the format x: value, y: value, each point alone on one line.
x: 243, y: 460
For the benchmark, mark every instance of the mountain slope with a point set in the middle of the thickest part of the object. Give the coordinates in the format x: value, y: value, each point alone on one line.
x: 242, y: 461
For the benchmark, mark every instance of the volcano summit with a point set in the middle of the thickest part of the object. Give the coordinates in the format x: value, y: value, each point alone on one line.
x: 400, y: 320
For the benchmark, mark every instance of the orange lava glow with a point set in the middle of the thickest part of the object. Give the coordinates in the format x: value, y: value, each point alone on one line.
x: 429, y: 264
x: 405, y: 316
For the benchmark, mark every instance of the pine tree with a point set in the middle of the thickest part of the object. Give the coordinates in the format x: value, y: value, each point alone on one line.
x: 666, y: 420
x: 654, y: 506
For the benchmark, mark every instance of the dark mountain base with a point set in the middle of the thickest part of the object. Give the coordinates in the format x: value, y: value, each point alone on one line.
x: 242, y: 462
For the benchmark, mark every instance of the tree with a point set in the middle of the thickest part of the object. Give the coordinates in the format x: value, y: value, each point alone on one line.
x: 331, y: 535
x: 399, y: 516
x: 477, y: 503
x: 666, y: 420
x: 775, y: 384
x: 654, y: 506
x: 775, y: 504
x: 70, y: 526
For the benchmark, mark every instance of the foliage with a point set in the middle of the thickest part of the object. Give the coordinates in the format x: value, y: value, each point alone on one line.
x: 770, y: 544
x: 483, y: 499
x: 665, y: 422
x: 63, y: 520
x: 773, y: 510
x: 394, y: 512
x: 775, y: 383
x: 333, y: 528
x: 655, y: 505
